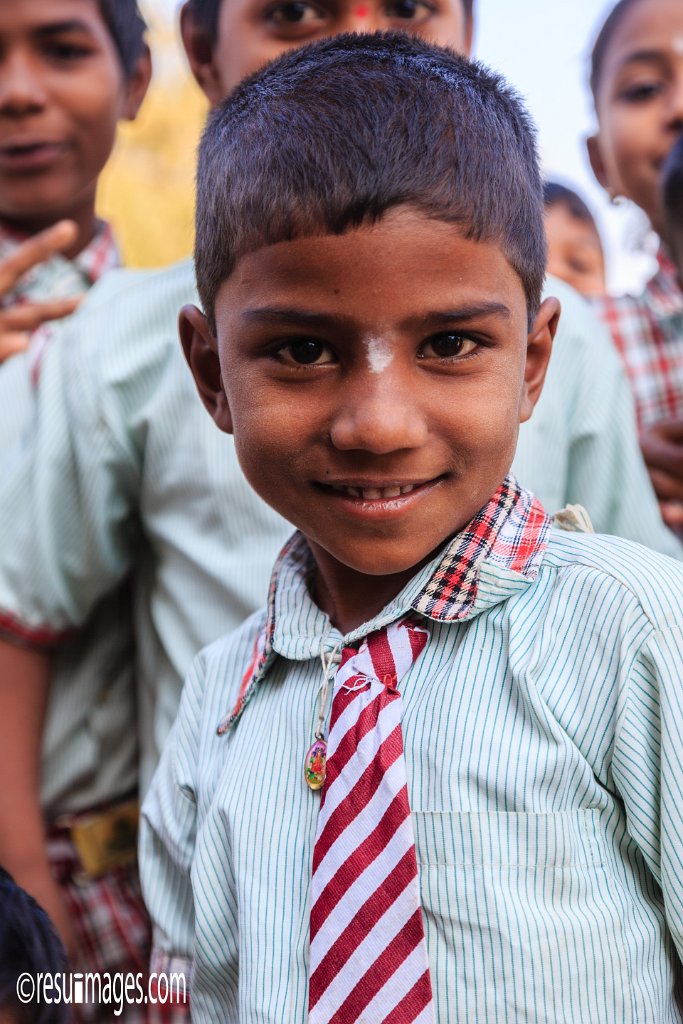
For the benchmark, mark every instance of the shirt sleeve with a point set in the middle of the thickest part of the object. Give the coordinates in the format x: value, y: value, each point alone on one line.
x: 167, y: 836
x: 647, y: 765
x: 602, y: 463
x: 69, y: 487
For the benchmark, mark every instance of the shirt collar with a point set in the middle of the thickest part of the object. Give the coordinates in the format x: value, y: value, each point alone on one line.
x: 663, y: 293
x: 499, y: 551
x: 99, y: 255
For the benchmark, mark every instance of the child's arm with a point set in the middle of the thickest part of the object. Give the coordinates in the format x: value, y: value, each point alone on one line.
x: 17, y: 322
x: 662, y: 447
x: 24, y: 681
x: 167, y: 840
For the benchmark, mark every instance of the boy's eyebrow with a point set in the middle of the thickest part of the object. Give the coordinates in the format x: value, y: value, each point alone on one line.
x: 55, y: 28
x: 643, y: 57
x: 295, y: 316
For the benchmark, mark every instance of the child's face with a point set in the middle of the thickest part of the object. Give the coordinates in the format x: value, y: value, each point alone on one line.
x: 374, y: 382
x: 62, y: 91
x: 253, y: 32
x: 640, y: 103
x: 574, y: 250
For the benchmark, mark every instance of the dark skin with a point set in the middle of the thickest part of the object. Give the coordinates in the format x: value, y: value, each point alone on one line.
x: 374, y: 382
x: 248, y: 36
x: 62, y: 93
x: 640, y: 115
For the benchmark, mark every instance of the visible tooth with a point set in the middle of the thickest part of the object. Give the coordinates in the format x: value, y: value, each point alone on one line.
x: 391, y: 492
x: 407, y: 489
x: 371, y: 492
x: 354, y: 492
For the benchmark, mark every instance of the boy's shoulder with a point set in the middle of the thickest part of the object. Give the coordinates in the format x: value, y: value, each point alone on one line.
x: 646, y: 579
x: 220, y: 667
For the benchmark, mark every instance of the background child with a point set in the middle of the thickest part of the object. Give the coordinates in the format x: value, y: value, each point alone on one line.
x: 575, y: 252
x: 672, y: 190
x: 140, y: 484
x: 69, y: 71
x: 497, y: 832
x: 637, y: 84
x: 28, y: 946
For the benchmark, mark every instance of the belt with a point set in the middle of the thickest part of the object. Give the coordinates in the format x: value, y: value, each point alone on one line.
x: 104, y: 838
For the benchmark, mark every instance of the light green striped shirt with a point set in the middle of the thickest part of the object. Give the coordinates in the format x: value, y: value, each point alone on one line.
x: 123, y: 474
x: 544, y: 748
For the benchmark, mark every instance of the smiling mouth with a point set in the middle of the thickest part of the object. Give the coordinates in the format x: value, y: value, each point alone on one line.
x: 376, y: 493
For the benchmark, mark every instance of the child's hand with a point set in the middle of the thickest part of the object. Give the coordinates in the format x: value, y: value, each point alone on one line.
x: 662, y: 447
x: 17, y: 322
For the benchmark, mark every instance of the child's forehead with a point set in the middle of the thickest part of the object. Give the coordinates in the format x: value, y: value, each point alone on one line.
x: 43, y: 14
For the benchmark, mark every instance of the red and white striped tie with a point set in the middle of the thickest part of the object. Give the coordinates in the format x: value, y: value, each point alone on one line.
x: 368, y: 950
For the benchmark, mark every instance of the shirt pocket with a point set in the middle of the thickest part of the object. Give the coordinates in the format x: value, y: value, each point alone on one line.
x: 522, y: 920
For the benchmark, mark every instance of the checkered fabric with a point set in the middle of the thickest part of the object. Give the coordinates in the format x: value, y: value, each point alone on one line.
x: 648, y: 333
x: 111, y: 926
x: 511, y: 531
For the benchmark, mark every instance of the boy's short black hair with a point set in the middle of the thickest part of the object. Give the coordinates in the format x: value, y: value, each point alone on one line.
x: 672, y: 188
x: 555, y: 194
x: 28, y: 945
x: 333, y: 135
x: 205, y: 13
x: 603, y: 39
x: 127, y: 28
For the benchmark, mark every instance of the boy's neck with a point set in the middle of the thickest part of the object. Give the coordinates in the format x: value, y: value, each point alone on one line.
x: 351, y: 598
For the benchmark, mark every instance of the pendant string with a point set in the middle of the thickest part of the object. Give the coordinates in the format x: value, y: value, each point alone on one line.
x: 330, y: 660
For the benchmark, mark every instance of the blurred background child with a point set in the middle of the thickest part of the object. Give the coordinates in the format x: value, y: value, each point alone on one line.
x: 575, y: 253
x: 637, y: 85
x: 672, y: 190
x: 28, y: 945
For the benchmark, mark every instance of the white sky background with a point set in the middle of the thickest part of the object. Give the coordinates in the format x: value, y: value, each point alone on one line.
x: 542, y: 47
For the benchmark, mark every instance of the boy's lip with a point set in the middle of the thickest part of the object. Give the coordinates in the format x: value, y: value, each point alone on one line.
x: 28, y: 152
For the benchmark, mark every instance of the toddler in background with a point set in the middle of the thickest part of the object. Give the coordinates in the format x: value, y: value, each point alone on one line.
x: 575, y: 253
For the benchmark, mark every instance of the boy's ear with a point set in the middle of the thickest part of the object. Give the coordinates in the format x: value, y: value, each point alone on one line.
x: 539, y: 347
x: 201, y: 352
x: 596, y: 161
x: 199, y: 47
x: 137, y: 85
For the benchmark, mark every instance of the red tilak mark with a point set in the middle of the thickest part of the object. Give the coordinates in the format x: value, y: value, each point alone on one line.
x: 362, y: 11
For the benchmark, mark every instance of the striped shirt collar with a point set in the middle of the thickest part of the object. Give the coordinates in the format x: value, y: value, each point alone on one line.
x: 99, y: 255
x: 509, y: 535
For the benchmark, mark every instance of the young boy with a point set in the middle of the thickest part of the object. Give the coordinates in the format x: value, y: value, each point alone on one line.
x: 575, y: 252
x: 472, y: 812
x: 140, y: 484
x: 69, y: 71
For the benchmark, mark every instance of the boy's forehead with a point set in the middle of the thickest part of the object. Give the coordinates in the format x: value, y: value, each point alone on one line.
x: 41, y: 14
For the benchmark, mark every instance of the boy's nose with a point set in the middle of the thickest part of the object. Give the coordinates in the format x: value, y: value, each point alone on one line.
x: 21, y: 89
x: 378, y: 416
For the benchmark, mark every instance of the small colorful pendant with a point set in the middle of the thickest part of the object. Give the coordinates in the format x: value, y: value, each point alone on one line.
x: 314, y: 764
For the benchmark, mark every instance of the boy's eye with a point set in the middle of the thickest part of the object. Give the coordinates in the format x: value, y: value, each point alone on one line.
x: 295, y: 13
x: 447, y: 345
x: 409, y: 10
x: 641, y: 92
x: 305, y: 352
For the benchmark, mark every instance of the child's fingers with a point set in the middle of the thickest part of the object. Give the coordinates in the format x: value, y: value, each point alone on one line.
x: 12, y: 344
x: 663, y: 448
x: 672, y: 513
x: 35, y: 250
x: 30, y: 315
x: 667, y: 487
